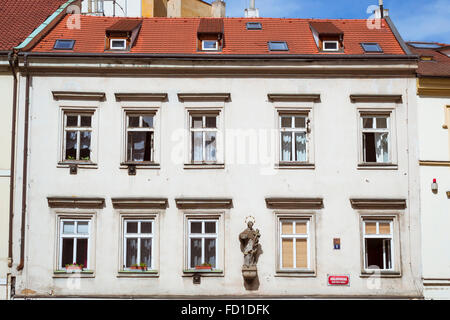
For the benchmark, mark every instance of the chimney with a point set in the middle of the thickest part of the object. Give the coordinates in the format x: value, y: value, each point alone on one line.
x: 252, y: 12
x: 381, y: 12
x: 218, y: 9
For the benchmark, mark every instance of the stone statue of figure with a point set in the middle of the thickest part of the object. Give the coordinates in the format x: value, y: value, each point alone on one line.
x: 250, y: 241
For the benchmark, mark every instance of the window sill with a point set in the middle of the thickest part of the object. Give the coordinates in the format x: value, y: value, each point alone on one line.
x: 377, y: 166
x: 73, y: 274
x: 380, y: 274
x: 295, y: 165
x: 204, y: 273
x: 141, y: 165
x: 204, y: 166
x: 296, y: 273
x: 138, y: 274
x: 79, y: 164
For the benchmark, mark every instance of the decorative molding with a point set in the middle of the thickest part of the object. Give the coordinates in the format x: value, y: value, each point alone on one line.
x: 379, y: 204
x: 144, y: 97
x: 71, y: 202
x: 5, y: 173
x: 390, y: 98
x: 79, y: 96
x: 433, y: 87
x: 140, y: 203
x: 196, y: 97
x: 430, y: 163
x: 294, y: 203
x: 204, y: 203
x: 281, y: 97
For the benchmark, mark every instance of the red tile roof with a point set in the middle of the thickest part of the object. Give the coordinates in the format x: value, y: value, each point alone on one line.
x: 179, y: 36
x: 19, y: 18
x: 210, y: 25
x: 439, y: 66
x: 124, y: 25
x: 326, y: 28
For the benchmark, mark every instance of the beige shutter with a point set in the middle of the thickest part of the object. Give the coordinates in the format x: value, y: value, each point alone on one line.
x: 385, y: 228
x: 300, y: 228
x: 302, y: 253
x: 287, y: 228
x: 287, y: 247
x: 371, y: 227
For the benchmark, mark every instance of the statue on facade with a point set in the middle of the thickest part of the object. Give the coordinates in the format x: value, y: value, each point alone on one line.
x: 250, y: 247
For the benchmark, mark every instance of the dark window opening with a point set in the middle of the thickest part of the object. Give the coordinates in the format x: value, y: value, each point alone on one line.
x: 378, y: 254
x: 140, y: 146
x: 369, y: 147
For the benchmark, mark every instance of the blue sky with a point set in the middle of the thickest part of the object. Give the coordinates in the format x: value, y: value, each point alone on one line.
x: 424, y: 20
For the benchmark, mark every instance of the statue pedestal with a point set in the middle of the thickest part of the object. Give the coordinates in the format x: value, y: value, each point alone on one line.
x: 249, y: 273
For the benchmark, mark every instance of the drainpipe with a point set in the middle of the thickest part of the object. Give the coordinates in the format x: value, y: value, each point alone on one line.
x: 25, y: 165
x: 12, y: 59
x: 381, y: 8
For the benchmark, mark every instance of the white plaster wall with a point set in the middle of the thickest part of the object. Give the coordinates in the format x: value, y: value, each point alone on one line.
x: 335, y: 178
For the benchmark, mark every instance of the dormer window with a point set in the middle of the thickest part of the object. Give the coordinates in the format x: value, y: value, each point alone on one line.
x: 210, y: 34
x: 118, y: 44
x: 278, y: 46
x: 122, y: 34
x: 328, y: 36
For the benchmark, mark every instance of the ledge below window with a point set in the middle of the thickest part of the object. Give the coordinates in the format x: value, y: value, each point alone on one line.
x: 381, y: 274
x: 377, y: 166
x: 84, y: 165
x: 201, y: 166
x: 77, y: 274
x: 204, y: 273
x: 296, y: 273
x: 141, y: 165
x: 295, y: 165
x: 138, y: 274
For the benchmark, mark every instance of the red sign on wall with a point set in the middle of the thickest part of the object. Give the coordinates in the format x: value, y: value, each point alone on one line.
x: 338, y: 280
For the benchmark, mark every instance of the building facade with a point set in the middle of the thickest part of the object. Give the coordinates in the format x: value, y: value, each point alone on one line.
x: 143, y: 161
x: 433, y: 102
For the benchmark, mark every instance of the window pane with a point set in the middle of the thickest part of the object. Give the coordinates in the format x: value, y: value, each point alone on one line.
x: 146, y: 227
x: 118, y: 44
x: 85, y: 142
x: 131, y: 254
x: 139, y: 146
x: 210, y: 227
x: 132, y: 227
x: 207, y: 44
x: 71, y: 145
x: 369, y: 147
x: 302, y: 253
x: 368, y: 123
x: 382, y: 147
x: 385, y: 228
x: 196, y: 252
x: 374, y: 253
x: 210, y: 252
x: 286, y: 122
x: 211, y: 122
x: 287, y: 228
x: 133, y: 121
x: 72, y: 121
x: 381, y: 123
x: 287, y: 251
x: 300, y: 122
x: 196, y: 227
x: 86, y: 121
x: 67, y: 252
x: 371, y: 227
x: 146, y: 252
x: 147, y: 121
x: 330, y: 45
x: 197, y: 146
x: 300, y: 147
x: 300, y: 228
x: 82, y: 252
x: 69, y: 227
x: 210, y: 145
x: 83, y: 228
x: 197, y: 122
x: 286, y: 146
x: 388, y: 253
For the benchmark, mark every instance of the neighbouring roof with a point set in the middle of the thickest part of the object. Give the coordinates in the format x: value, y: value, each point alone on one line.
x: 179, y: 36
x: 437, y: 63
x: 19, y: 18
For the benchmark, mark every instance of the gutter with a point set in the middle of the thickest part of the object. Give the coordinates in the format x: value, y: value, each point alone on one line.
x: 397, y: 35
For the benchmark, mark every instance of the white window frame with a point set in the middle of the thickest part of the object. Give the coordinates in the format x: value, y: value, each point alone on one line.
x: 294, y: 237
x: 78, y: 129
x: 204, y: 130
x: 330, y: 41
x: 139, y: 236
x: 293, y: 131
x: 210, y: 49
x: 203, y: 236
x: 74, y: 236
x: 376, y: 130
x: 379, y: 236
x: 124, y: 42
x: 139, y: 114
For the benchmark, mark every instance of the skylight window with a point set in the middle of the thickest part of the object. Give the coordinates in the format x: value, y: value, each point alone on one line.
x: 371, y: 47
x: 425, y: 45
x: 278, y: 46
x: 63, y: 44
x: 254, y: 26
x: 118, y: 44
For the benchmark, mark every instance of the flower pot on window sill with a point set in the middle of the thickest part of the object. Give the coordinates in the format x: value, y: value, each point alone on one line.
x: 138, y: 268
x: 203, y: 268
x: 74, y: 268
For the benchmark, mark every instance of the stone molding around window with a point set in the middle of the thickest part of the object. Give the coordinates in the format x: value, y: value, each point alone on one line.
x: 294, y: 203
x: 79, y: 96
x: 197, y: 97
x: 378, y: 204
x: 204, y: 203
x: 281, y: 97
x: 388, y: 98
x: 140, y: 203
x: 141, y: 97
x: 76, y: 203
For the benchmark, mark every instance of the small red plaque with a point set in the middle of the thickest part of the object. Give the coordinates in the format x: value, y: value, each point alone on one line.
x: 338, y: 280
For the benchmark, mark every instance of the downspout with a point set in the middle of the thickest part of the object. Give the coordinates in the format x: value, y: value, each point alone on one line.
x: 12, y: 58
x: 25, y: 165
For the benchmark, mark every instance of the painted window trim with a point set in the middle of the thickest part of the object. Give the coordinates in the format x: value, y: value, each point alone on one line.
x: 124, y: 47
x: 330, y: 41
x: 210, y: 49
